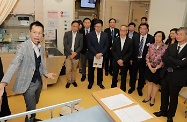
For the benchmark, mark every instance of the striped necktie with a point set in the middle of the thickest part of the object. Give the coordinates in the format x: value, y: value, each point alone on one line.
x: 141, y: 47
x: 112, y: 35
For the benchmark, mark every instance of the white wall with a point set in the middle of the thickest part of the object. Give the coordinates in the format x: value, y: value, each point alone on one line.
x: 67, y: 6
x: 114, y: 9
x: 166, y: 14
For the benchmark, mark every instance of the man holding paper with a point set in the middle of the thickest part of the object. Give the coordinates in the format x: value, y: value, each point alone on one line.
x: 121, y: 50
x: 97, y: 48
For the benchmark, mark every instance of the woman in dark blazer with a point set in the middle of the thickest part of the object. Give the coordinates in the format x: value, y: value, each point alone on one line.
x: 5, y: 111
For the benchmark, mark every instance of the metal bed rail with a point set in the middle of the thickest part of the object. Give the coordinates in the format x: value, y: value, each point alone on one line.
x: 51, y: 108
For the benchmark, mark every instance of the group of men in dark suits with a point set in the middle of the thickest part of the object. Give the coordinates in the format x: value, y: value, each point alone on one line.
x: 126, y: 48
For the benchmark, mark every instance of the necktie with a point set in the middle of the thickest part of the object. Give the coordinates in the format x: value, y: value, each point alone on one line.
x: 178, y: 50
x: 141, y: 47
x: 112, y: 35
x: 87, y: 34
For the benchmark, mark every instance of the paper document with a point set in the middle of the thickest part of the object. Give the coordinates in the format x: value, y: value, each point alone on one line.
x: 132, y: 114
x: 116, y: 101
x: 98, y: 62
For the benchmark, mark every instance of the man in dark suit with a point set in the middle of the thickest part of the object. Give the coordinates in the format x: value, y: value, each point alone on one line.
x: 173, y: 75
x: 141, y: 43
x: 112, y: 33
x: 121, y: 50
x: 94, y: 20
x: 73, y: 41
x: 130, y: 34
x: 131, y: 30
x: 144, y: 20
x: 97, y: 47
x: 85, y: 31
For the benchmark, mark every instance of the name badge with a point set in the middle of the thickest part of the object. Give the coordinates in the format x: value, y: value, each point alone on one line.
x: 116, y: 34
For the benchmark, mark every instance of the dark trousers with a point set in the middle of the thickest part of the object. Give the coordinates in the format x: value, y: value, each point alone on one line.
x: 91, y: 70
x: 108, y: 63
x: 123, y: 76
x: 169, y: 95
x: 32, y: 95
x: 83, y: 63
x: 5, y: 110
x: 139, y: 65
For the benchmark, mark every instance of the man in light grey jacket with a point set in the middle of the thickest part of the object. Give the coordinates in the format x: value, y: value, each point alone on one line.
x: 29, y: 62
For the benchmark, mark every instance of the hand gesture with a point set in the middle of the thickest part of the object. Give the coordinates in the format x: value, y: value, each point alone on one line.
x: 50, y: 75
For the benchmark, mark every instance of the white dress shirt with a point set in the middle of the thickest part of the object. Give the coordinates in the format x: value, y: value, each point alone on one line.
x: 73, y: 40
x: 98, y: 36
x: 85, y: 30
x: 111, y: 29
x: 181, y: 47
x: 36, y: 49
x: 130, y: 34
x: 122, y: 42
x: 144, y: 39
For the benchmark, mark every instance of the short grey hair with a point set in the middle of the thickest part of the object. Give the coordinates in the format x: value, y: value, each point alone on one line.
x: 124, y: 26
x: 183, y: 28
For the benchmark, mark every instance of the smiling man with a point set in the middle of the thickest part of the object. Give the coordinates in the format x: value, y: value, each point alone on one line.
x: 29, y: 61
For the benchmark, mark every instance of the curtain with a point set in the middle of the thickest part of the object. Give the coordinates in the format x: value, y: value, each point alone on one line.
x: 5, y: 8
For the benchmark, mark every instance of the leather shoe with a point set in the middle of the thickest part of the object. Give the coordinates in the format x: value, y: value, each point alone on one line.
x: 130, y: 90
x: 89, y: 86
x: 101, y: 86
x: 169, y: 119
x: 68, y: 85
x: 144, y: 101
x: 140, y: 93
x: 32, y: 119
x: 160, y: 113
x: 74, y: 84
x: 113, y: 86
x: 83, y: 78
x: 152, y: 104
x: 106, y: 73
x: 37, y: 120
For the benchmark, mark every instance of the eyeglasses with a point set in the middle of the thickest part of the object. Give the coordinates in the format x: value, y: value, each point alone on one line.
x: 37, y: 33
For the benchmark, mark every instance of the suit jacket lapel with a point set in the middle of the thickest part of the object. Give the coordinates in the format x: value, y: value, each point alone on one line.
x: 124, y: 44
x: 71, y: 38
x: 76, y: 38
x: 31, y: 50
x: 180, y: 55
x: 147, y: 40
x: 96, y: 39
x: 109, y: 31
